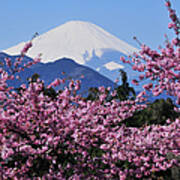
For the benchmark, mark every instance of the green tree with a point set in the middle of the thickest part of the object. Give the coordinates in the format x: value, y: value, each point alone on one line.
x: 156, y: 113
x: 124, y: 91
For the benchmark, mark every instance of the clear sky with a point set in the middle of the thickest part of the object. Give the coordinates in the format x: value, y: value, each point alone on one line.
x: 146, y: 19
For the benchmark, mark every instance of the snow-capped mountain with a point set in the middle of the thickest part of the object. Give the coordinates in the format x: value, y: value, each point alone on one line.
x: 85, y: 43
x: 75, y: 39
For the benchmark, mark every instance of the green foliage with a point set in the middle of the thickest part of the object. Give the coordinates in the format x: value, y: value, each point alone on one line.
x: 50, y: 92
x: 156, y: 113
x: 123, y: 91
x: 34, y: 78
x: 93, y: 94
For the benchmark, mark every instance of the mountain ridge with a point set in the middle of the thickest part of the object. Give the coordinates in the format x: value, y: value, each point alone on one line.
x: 74, y: 39
x: 52, y: 70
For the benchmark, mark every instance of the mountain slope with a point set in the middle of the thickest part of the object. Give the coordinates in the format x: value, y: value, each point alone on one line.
x: 50, y: 71
x: 76, y: 40
x: 86, y: 44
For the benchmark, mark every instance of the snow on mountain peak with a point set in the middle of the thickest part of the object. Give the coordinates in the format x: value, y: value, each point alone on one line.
x: 77, y: 40
x: 113, y: 66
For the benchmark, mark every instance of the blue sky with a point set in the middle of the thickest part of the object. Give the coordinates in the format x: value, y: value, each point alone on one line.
x: 146, y: 19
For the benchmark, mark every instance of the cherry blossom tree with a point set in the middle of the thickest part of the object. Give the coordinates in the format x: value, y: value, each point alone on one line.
x: 68, y: 137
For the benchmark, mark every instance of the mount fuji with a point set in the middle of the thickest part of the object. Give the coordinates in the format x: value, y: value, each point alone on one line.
x: 76, y: 40
x: 86, y: 43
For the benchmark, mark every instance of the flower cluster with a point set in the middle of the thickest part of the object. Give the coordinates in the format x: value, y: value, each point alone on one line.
x: 175, y: 24
x: 161, y: 66
x: 38, y: 133
x: 70, y: 137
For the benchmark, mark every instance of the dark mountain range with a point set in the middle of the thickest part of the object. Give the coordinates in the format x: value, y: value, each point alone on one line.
x: 63, y: 68
x: 69, y: 69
